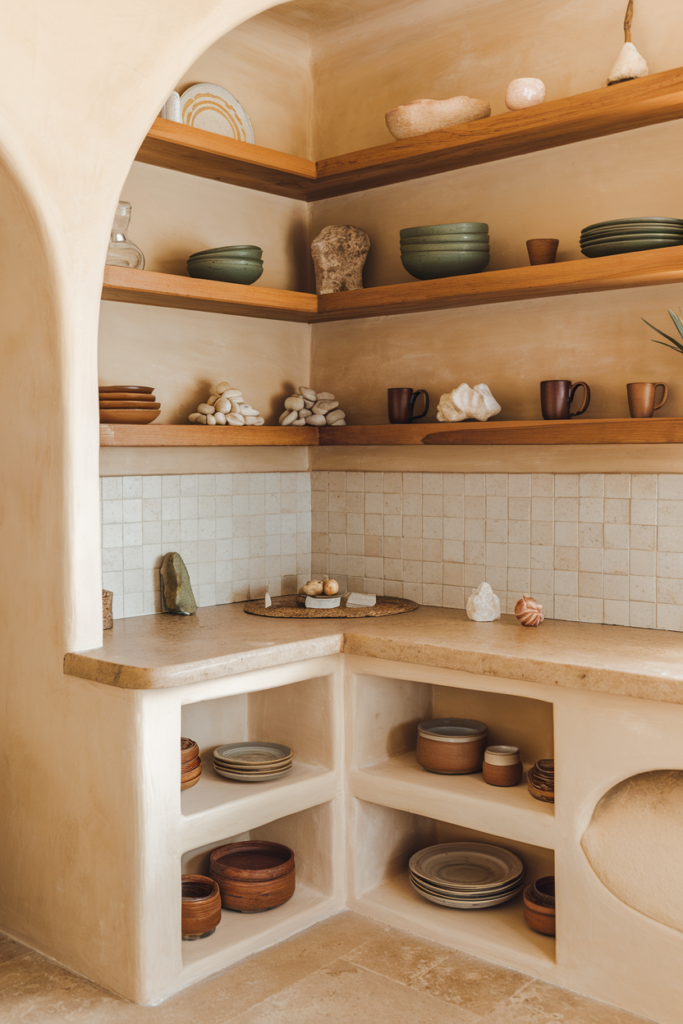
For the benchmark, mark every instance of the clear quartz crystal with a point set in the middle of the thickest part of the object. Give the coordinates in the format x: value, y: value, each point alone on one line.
x: 122, y: 252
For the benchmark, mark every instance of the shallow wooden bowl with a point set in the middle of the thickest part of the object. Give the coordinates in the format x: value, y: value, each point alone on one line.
x: 189, y: 750
x: 186, y: 769
x: 128, y: 404
x: 126, y: 396
x: 539, y: 905
x: 546, y: 795
x: 201, y: 906
x: 502, y: 774
x: 251, y: 861
x: 126, y: 387
x: 257, y: 896
x: 128, y: 415
x: 188, y: 785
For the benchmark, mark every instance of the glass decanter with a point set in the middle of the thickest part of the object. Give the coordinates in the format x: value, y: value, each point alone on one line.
x: 122, y: 252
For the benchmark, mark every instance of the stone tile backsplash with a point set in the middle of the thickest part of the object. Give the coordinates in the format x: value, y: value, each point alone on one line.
x: 236, y: 532
x: 590, y: 547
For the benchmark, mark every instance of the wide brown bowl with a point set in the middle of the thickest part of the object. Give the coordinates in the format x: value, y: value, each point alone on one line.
x: 128, y: 404
x: 126, y: 396
x: 502, y: 774
x: 253, y: 876
x: 458, y: 753
x: 128, y: 415
x: 126, y: 387
x: 201, y: 906
x: 539, y: 905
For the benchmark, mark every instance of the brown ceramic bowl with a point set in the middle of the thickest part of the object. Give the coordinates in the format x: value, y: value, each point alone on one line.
x: 253, y: 876
x: 126, y: 396
x: 189, y: 750
x: 201, y: 906
x: 128, y: 404
x: 128, y: 415
x: 451, y: 746
x: 125, y: 387
x: 502, y: 774
x: 539, y: 905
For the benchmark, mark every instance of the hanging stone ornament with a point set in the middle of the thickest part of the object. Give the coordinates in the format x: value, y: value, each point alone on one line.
x: 629, y: 63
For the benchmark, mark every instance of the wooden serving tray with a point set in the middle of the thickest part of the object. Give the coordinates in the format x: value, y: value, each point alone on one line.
x: 287, y: 608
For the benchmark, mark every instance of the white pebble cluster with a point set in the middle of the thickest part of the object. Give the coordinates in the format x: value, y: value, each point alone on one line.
x: 311, y: 409
x: 227, y: 408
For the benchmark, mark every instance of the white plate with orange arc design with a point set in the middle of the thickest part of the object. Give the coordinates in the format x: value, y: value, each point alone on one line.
x: 214, y: 109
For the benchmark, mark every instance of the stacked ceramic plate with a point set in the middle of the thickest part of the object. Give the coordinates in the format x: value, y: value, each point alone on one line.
x: 127, y: 403
x: 445, y: 250
x: 252, y: 762
x: 630, y: 234
x: 190, y: 763
x: 238, y: 264
x: 466, y: 876
x: 541, y: 780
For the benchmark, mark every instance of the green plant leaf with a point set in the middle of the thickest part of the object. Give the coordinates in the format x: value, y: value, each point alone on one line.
x: 677, y: 320
x: 678, y: 348
x: 667, y: 336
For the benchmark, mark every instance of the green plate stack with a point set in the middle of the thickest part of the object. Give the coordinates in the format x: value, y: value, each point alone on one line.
x: 445, y: 250
x: 630, y: 234
x: 237, y: 264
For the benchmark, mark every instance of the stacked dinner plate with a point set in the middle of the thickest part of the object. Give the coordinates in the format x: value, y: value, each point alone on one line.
x: 445, y: 250
x: 466, y: 876
x: 127, y: 403
x: 252, y: 762
x: 238, y: 264
x: 630, y: 234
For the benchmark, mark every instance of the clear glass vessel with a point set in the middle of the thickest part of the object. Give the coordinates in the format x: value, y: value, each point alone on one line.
x: 122, y: 252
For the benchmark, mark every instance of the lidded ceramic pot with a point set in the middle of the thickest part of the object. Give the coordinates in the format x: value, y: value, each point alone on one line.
x: 502, y: 766
x: 451, y: 746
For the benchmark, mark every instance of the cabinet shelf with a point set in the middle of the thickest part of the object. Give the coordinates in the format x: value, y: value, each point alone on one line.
x: 607, y: 111
x: 630, y: 270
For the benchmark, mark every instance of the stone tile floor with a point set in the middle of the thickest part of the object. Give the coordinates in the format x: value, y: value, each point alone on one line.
x: 347, y: 970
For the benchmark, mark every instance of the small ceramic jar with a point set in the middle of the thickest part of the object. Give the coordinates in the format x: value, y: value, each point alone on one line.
x: 451, y: 746
x: 502, y: 766
x: 539, y: 905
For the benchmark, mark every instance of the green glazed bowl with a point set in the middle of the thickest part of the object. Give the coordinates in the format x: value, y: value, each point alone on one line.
x: 625, y: 221
x: 446, y: 229
x: 464, y: 237
x: 449, y: 247
x: 634, y: 229
x: 427, y: 266
x: 227, y: 249
x: 616, y: 248
x: 233, y: 271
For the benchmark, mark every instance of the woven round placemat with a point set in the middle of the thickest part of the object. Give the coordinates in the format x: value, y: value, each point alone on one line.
x: 287, y: 608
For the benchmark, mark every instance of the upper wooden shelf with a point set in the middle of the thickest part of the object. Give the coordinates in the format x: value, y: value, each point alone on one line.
x: 631, y: 270
x: 588, y: 115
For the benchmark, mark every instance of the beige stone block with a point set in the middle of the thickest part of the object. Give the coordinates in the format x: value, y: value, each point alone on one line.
x: 453, y: 597
x: 643, y: 511
x: 642, y: 614
x: 642, y: 563
x: 412, y: 483
x: 519, y: 556
x: 567, y: 485
x: 392, y: 483
x: 475, y: 506
x: 374, y: 482
x: 453, y: 576
x: 566, y: 607
x: 670, y: 485
x: 591, y: 510
x: 374, y: 547
x: 355, y: 481
x: 566, y: 558
x: 412, y: 504
x: 432, y: 483
x: 519, y: 532
x: 670, y: 617
x: 538, y: 1003
x: 591, y: 535
x: 519, y: 485
x: 475, y: 553
x: 617, y: 485
x: 670, y: 591
x: 433, y: 550
x: 617, y: 510
x: 566, y: 583
x: 374, y: 502
x: 616, y: 613
x: 591, y: 485
x: 616, y: 536
x: 454, y: 483
x: 643, y: 485
x: 643, y: 538
x: 541, y: 556
x: 392, y: 504
x: 669, y: 513
x: 542, y: 509
x: 475, y: 484
x: 432, y: 572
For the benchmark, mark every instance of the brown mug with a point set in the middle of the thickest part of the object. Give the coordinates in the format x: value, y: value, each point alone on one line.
x: 542, y: 250
x: 641, y: 399
x: 556, y: 398
x: 402, y: 405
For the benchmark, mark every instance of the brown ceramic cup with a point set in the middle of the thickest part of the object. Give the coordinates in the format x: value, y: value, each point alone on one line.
x: 641, y: 399
x: 402, y: 404
x: 542, y: 250
x: 556, y: 398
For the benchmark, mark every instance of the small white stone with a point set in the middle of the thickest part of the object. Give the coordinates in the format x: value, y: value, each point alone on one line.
x: 325, y: 396
x: 249, y: 410
x: 296, y: 402
x: 288, y: 418
x: 304, y: 414
x: 250, y: 420
x: 206, y: 409
x: 259, y: 421
x: 233, y: 393
x: 308, y: 403
x: 220, y: 388
x: 201, y: 419
x: 298, y: 423
x: 235, y: 420
x: 223, y: 405
x: 524, y: 92
x: 336, y: 414
x: 316, y: 421
x: 337, y: 423
x: 220, y: 419
x: 194, y: 417
x: 212, y: 399
x: 322, y: 408
x: 211, y: 421
x: 629, y: 65
x: 308, y: 393
x: 483, y: 605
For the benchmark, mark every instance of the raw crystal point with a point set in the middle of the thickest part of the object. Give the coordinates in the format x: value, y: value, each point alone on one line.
x: 524, y: 92
x: 339, y: 253
x: 466, y: 403
x: 629, y: 64
x: 483, y: 605
x: 176, y: 590
x: 529, y: 612
x: 421, y: 116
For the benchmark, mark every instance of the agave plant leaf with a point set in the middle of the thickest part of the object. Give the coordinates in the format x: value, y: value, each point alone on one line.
x: 668, y: 337
x: 658, y: 342
x: 677, y: 321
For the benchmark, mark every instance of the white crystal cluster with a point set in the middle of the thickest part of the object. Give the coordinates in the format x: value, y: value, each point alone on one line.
x: 483, y: 605
x: 309, y: 408
x: 466, y: 403
x: 226, y: 407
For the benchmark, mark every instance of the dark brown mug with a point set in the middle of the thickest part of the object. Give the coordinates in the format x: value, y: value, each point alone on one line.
x: 556, y: 398
x: 402, y: 405
x: 641, y: 399
x: 542, y: 250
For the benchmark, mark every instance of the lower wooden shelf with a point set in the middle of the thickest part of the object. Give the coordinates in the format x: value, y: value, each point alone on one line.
x: 660, y: 430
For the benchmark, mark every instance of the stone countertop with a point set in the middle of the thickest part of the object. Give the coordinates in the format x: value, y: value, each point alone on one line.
x: 157, y: 651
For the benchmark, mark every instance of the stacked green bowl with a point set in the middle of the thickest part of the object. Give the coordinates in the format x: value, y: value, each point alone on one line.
x: 238, y: 264
x: 630, y: 234
x: 445, y: 250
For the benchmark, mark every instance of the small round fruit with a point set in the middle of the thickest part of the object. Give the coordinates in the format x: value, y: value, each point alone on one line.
x: 312, y: 588
x: 331, y: 587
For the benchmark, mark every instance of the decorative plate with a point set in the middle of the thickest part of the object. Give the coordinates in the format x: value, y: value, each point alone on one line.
x: 466, y: 866
x: 258, y: 777
x: 216, y: 110
x: 252, y: 753
x: 473, y: 904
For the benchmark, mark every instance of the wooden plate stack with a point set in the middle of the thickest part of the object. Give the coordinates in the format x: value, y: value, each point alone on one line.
x: 252, y: 762
x: 541, y: 780
x: 201, y: 906
x: 254, y: 875
x: 190, y: 763
x: 127, y: 403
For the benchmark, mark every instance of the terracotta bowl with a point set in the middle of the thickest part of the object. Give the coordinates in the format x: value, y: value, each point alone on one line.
x: 188, y: 749
x: 253, y: 876
x: 451, y: 746
x: 539, y: 905
x: 502, y: 774
x: 201, y: 906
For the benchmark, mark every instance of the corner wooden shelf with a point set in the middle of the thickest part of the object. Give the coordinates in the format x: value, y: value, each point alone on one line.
x: 589, y: 115
x: 630, y: 270
x: 664, y: 430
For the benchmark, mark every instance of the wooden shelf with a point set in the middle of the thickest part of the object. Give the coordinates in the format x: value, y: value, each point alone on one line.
x: 149, y: 288
x: 181, y: 435
x: 589, y: 115
x: 667, y: 430
x: 631, y: 270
